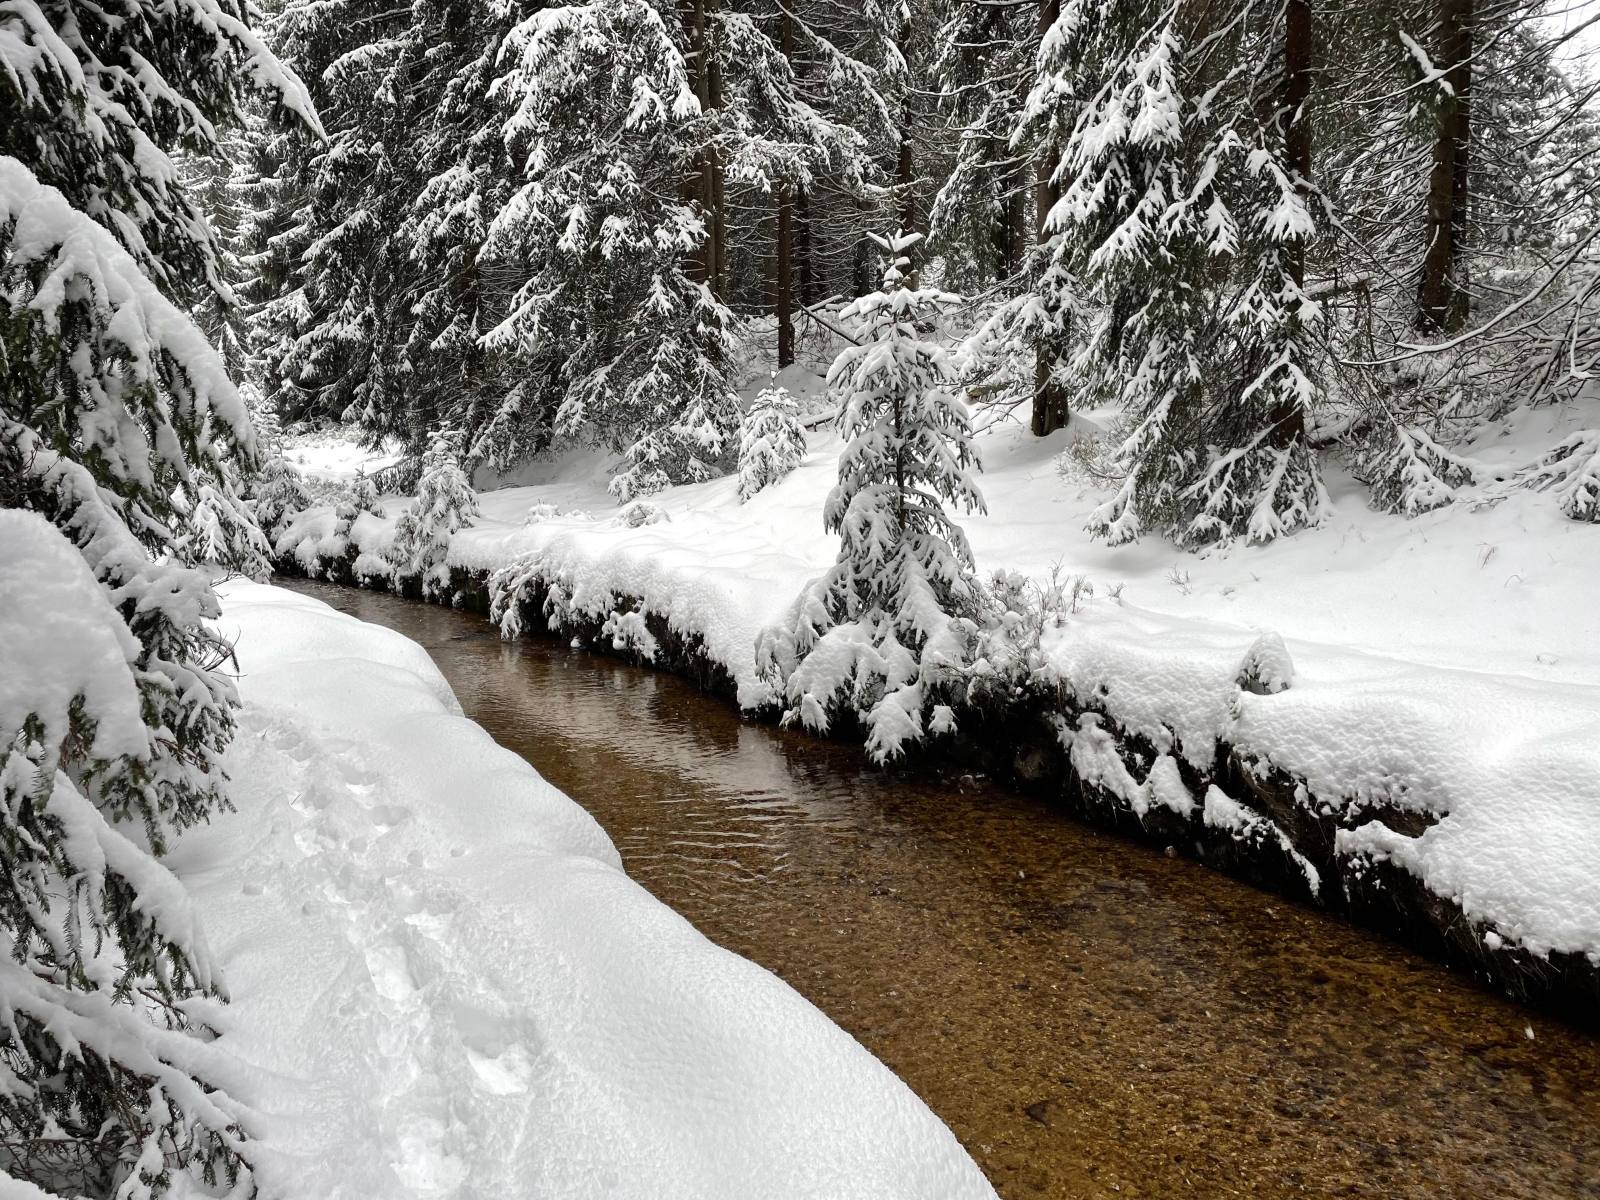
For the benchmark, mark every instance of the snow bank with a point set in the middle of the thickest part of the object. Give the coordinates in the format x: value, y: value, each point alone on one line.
x: 446, y: 986
x: 1446, y: 666
x: 1505, y: 769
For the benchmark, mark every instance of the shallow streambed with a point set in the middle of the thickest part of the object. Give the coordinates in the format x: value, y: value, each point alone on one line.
x: 1090, y: 1017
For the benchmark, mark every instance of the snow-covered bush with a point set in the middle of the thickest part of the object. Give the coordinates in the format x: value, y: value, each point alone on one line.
x: 893, y: 618
x: 277, y: 492
x: 445, y: 503
x: 1415, y: 474
x: 1571, y: 469
x: 640, y: 512
x: 540, y: 511
x: 772, y: 442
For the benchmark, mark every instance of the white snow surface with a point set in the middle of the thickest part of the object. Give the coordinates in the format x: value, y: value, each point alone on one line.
x: 445, y: 986
x: 60, y: 640
x: 1448, y: 663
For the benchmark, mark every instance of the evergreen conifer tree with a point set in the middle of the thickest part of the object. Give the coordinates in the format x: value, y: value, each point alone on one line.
x: 609, y: 320
x: 1179, y: 234
x: 119, y: 428
x: 893, y: 620
x: 445, y: 504
x: 772, y: 442
x: 115, y: 416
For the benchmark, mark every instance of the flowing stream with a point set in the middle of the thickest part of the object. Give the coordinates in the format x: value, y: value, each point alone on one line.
x: 1091, y: 1017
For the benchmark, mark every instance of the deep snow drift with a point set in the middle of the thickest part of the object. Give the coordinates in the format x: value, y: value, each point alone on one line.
x: 1447, y: 666
x: 445, y: 986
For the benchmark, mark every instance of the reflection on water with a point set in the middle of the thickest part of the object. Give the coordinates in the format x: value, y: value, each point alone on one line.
x: 1091, y: 1018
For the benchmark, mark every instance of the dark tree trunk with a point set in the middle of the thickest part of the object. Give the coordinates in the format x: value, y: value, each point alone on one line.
x: 1289, y: 419
x: 717, y: 205
x: 704, y: 186
x: 905, y: 182
x: 1442, y: 298
x: 1297, y: 128
x: 1049, y: 400
x: 785, y: 303
x: 785, y: 289
x: 1016, y: 230
x: 905, y: 165
x: 802, y: 248
x: 861, y: 280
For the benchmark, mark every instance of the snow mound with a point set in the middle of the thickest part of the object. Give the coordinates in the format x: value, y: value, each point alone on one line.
x: 446, y: 986
x: 1505, y: 769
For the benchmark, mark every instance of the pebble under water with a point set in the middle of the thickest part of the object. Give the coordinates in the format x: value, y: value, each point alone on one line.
x: 1090, y: 1017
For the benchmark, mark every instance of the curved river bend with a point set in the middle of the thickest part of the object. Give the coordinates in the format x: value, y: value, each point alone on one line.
x: 1091, y: 1018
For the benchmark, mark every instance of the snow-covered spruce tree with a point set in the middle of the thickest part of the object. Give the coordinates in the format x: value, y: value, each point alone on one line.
x: 322, y: 325
x: 114, y: 410
x: 276, y: 491
x: 609, y: 320
x: 219, y: 528
x: 1180, y: 236
x: 116, y: 415
x: 381, y: 301
x: 772, y: 442
x: 1262, y: 478
x: 360, y: 497
x: 1413, y: 474
x: 893, y: 620
x: 986, y: 222
x: 96, y: 100
x: 981, y: 222
x: 445, y: 503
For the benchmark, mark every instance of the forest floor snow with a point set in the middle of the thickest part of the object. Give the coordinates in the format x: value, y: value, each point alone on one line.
x: 1448, y: 664
x: 444, y: 985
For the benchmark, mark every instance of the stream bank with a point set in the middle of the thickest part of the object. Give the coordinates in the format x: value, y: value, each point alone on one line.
x: 1256, y: 822
x: 1091, y: 1017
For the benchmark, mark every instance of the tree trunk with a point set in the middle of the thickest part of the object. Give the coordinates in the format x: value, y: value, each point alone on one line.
x: 1289, y: 419
x: 802, y: 213
x: 694, y: 183
x: 785, y: 231
x: 718, y: 207
x: 1016, y: 228
x: 704, y: 184
x: 1297, y: 129
x: 785, y: 280
x: 904, y: 177
x: 861, y: 266
x: 1049, y: 400
x: 1442, y: 298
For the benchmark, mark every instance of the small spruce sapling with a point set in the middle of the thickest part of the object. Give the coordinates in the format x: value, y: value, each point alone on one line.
x: 1414, y: 474
x: 894, y: 617
x: 276, y: 491
x: 360, y: 497
x: 445, y: 503
x: 772, y: 442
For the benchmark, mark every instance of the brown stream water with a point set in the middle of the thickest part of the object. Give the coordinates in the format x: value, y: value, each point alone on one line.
x: 1091, y: 1018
